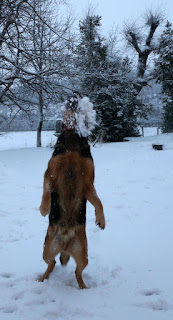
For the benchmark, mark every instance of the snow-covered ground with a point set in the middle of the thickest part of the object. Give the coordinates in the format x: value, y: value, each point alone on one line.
x: 129, y: 275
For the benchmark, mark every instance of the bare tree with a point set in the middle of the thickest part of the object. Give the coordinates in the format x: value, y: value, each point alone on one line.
x: 10, y: 19
x: 34, y: 57
x: 46, y: 50
x: 143, y: 44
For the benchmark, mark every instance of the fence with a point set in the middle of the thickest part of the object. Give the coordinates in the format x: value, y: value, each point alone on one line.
x: 150, y: 131
x: 26, y: 125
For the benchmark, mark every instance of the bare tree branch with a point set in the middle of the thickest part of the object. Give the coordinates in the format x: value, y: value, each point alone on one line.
x: 135, y: 39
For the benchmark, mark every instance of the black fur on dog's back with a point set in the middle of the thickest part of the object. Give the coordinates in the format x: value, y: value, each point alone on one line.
x: 71, y: 141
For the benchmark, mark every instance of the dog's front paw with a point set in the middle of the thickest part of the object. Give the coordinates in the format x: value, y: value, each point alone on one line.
x: 101, y: 223
x: 44, y: 211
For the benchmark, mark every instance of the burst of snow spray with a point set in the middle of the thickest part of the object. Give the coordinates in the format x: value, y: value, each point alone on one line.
x: 78, y: 114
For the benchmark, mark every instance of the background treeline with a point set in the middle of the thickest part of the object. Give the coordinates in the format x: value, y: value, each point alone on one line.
x: 43, y: 60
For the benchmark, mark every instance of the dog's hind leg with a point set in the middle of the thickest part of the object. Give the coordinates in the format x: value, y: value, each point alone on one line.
x: 51, y: 249
x: 46, y: 274
x: 80, y: 255
x: 46, y: 198
x: 91, y: 195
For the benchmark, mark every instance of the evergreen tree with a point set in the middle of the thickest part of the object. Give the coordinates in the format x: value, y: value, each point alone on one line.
x: 164, y: 74
x: 109, y: 83
x: 117, y: 104
x: 92, y: 52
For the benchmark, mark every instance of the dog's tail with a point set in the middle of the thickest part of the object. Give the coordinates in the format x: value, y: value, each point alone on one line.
x: 64, y: 258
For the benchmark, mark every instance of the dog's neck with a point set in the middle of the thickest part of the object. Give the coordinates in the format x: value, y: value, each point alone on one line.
x: 71, y: 140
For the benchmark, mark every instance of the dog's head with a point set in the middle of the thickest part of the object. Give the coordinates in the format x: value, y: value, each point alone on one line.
x: 79, y: 115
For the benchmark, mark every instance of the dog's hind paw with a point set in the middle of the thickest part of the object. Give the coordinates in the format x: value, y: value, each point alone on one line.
x: 42, y: 278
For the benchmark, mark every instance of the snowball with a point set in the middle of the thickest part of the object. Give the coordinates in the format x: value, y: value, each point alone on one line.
x: 86, y: 117
x: 82, y: 117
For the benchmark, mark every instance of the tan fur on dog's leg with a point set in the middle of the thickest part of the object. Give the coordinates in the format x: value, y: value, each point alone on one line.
x: 51, y: 249
x: 92, y: 197
x: 80, y: 254
x: 50, y: 268
x: 46, y: 198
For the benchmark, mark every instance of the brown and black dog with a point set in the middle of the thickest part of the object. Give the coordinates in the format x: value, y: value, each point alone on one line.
x: 68, y: 183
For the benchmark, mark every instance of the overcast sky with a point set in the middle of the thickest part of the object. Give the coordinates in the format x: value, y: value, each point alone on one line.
x: 117, y: 12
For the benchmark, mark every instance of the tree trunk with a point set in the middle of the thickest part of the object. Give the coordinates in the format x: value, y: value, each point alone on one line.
x: 40, y: 123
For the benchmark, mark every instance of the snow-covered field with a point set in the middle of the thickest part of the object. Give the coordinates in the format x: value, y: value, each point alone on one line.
x: 130, y: 269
